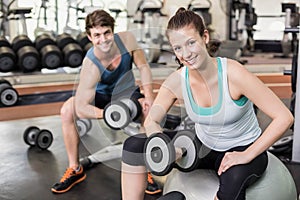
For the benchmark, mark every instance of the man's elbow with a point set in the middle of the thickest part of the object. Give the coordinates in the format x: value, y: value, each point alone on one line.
x: 79, y: 110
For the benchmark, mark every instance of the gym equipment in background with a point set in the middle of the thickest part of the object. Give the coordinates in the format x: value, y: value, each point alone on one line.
x: 84, y: 42
x: 72, y: 52
x: 50, y: 55
x: 47, y: 10
x: 72, y: 27
x: 41, y: 138
x: 7, y: 56
x: 289, y: 38
x: 241, y: 21
x: 202, y: 10
x: 27, y: 55
x: 83, y: 126
x: 149, y: 30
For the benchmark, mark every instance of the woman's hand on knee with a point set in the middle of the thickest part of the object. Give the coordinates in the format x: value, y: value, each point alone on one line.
x: 231, y: 159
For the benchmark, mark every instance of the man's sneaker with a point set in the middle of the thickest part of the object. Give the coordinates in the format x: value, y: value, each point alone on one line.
x: 69, y: 179
x: 152, y: 186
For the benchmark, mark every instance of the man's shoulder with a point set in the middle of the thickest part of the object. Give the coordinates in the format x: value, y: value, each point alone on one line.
x: 127, y: 38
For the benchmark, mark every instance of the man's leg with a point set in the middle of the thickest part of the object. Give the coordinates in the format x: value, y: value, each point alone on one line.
x: 74, y: 173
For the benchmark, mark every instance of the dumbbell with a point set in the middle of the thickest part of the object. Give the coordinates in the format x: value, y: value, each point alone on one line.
x: 83, y: 126
x: 118, y: 114
x: 51, y: 55
x: 84, y: 42
x: 72, y: 52
x: 8, y: 95
x: 28, y: 56
x: 42, y: 139
x: 7, y: 56
x: 282, y: 145
x: 162, y: 154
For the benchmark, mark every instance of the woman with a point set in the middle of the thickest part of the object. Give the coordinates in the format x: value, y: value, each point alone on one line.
x: 218, y: 95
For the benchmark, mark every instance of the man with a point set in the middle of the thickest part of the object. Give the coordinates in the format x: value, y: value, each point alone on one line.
x: 106, y: 68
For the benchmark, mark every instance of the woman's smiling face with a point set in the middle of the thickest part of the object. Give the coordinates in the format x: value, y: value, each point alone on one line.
x: 188, y: 46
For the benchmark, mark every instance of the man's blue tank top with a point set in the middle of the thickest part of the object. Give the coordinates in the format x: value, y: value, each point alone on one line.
x: 118, y: 80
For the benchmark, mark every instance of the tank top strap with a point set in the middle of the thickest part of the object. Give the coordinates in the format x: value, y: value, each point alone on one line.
x: 120, y: 44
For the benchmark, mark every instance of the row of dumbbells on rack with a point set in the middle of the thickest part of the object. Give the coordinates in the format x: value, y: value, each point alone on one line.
x: 46, y: 51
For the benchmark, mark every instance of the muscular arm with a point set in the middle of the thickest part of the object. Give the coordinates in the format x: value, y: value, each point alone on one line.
x: 141, y: 63
x: 85, y: 93
x: 168, y: 93
x: 145, y: 72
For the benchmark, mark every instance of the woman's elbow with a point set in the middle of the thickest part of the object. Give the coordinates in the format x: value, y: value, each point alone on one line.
x: 287, y: 119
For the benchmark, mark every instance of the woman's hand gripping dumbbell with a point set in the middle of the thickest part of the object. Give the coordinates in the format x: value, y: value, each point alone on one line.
x: 162, y: 154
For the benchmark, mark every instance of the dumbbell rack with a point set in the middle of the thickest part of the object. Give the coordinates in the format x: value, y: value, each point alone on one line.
x: 39, y: 94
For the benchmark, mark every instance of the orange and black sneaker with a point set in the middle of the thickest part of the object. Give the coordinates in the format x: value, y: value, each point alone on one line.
x: 152, y: 186
x: 69, y: 179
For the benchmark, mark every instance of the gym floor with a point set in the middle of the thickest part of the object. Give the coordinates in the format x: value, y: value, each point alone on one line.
x: 28, y: 173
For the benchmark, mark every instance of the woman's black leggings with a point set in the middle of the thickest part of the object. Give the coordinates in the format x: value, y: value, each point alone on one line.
x: 233, y: 182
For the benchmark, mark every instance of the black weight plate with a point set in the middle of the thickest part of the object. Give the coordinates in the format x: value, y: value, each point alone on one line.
x: 189, y: 141
x: 30, y: 134
x: 134, y: 106
x: 82, y: 127
x: 73, y: 55
x: 64, y: 39
x: 51, y: 57
x: 7, y: 59
x: 28, y: 58
x: 116, y: 115
x: 21, y: 41
x: 44, y: 139
x: 4, y: 42
x: 284, y: 141
x: 279, y: 150
x: 8, y: 96
x: 3, y: 81
x: 138, y: 107
x: 87, y: 47
x: 159, y: 154
x: 82, y: 39
x: 43, y: 40
x: 172, y: 121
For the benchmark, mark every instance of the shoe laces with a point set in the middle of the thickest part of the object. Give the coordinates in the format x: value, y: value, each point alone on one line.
x: 150, y: 178
x: 67, y: 174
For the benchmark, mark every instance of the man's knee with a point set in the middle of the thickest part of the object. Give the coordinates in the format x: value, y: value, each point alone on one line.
x: 67, y: 110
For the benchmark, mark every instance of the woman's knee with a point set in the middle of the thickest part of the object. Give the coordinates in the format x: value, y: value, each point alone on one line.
x: 133, y: 150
